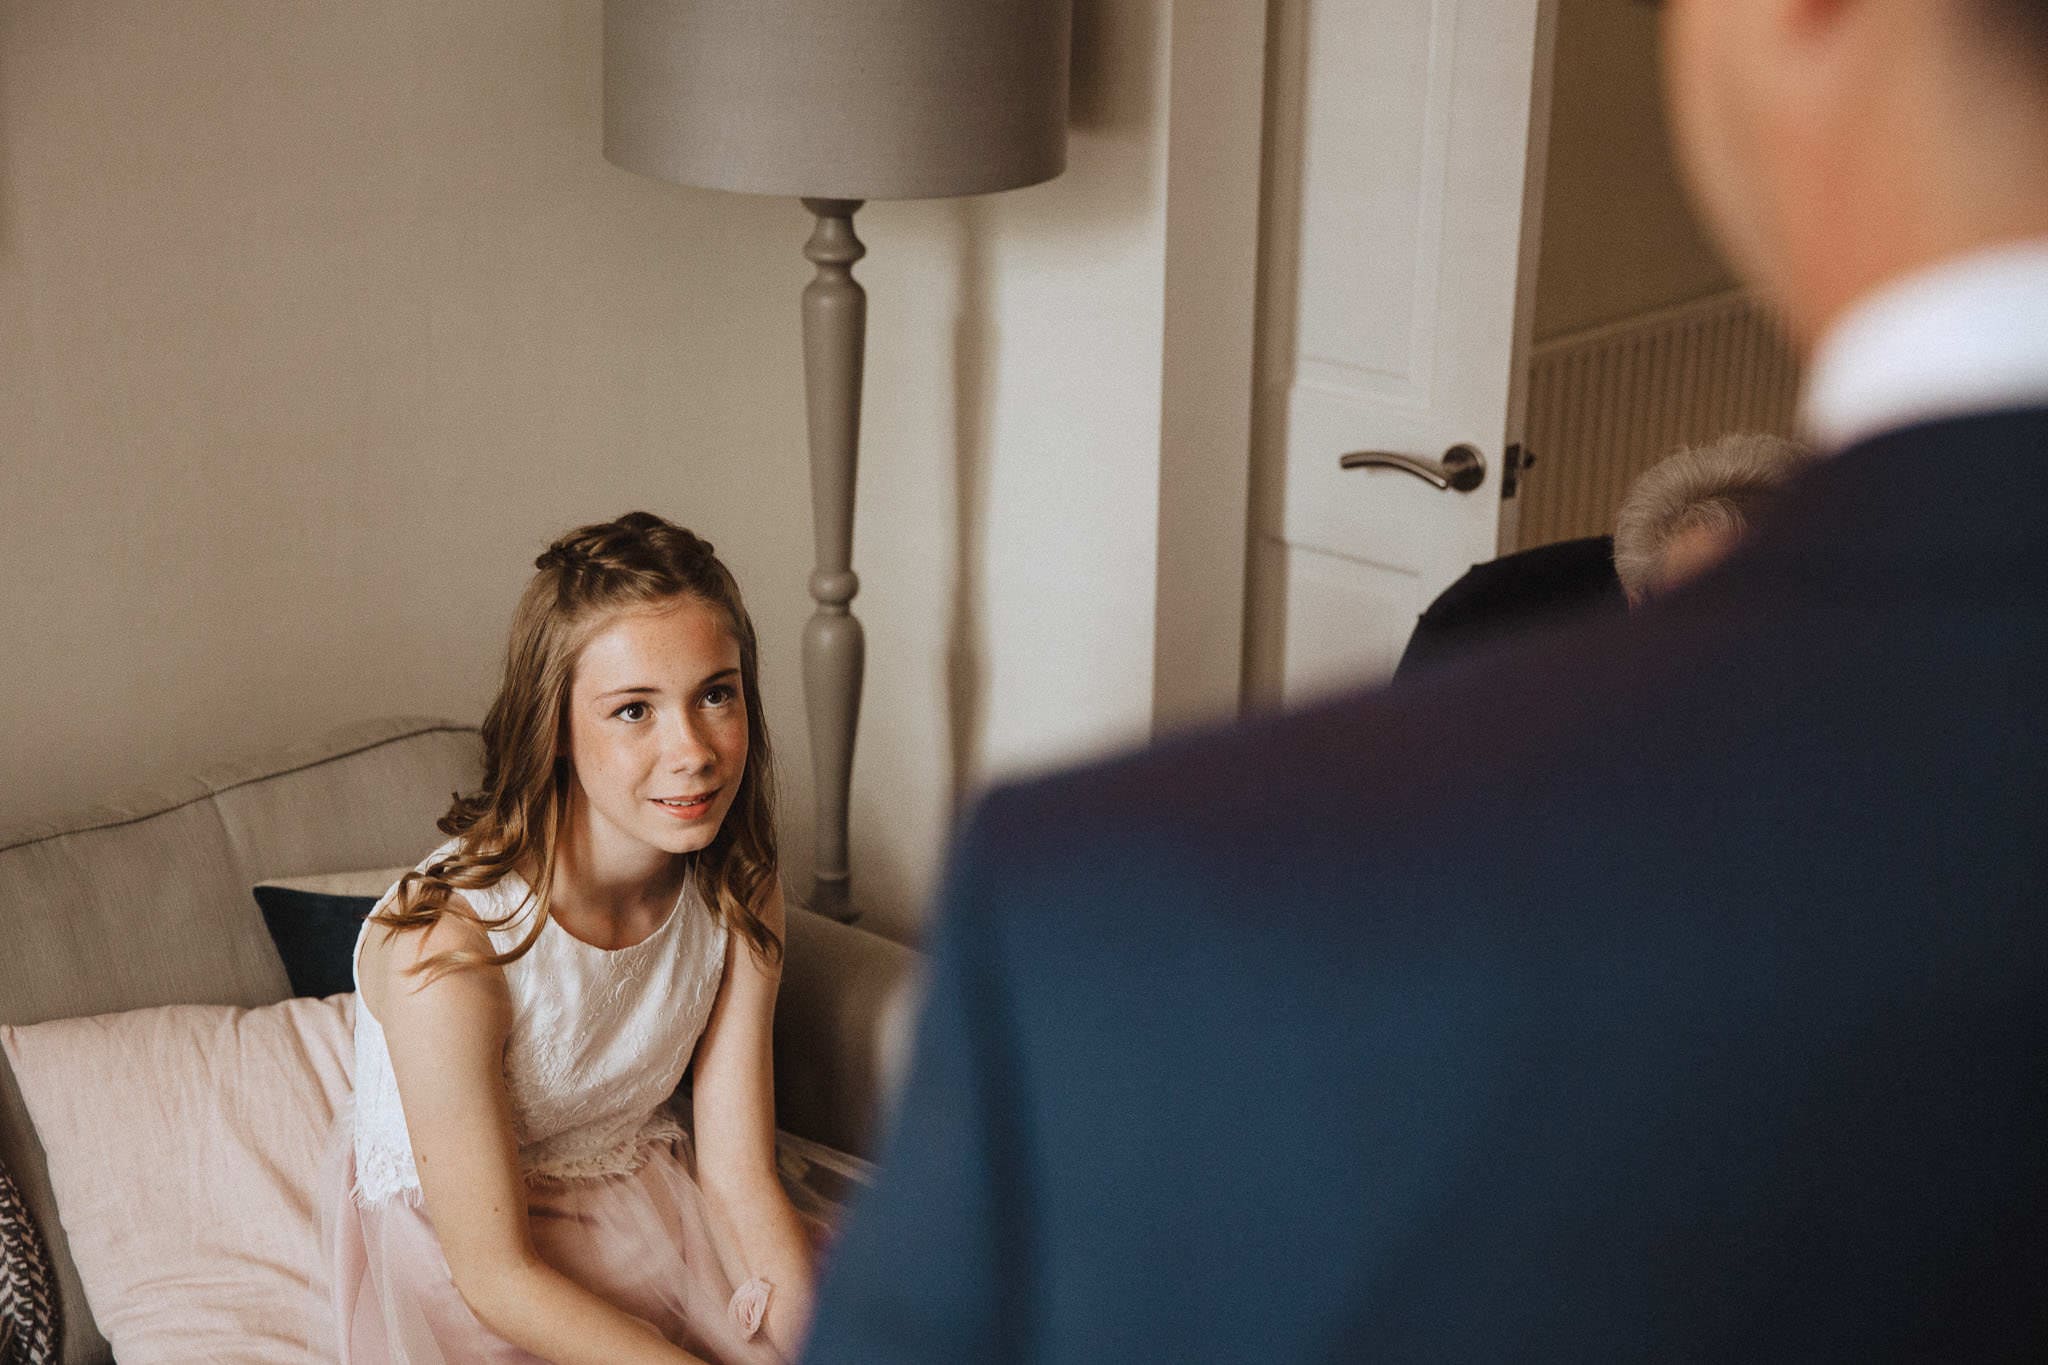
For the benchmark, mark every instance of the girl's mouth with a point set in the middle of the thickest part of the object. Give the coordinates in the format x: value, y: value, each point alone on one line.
x: 687, y: 807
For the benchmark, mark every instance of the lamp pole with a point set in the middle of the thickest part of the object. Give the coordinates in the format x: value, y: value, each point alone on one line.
x: 835, y: 648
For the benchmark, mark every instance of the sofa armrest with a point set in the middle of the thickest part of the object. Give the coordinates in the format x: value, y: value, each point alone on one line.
x: 842, y: 1029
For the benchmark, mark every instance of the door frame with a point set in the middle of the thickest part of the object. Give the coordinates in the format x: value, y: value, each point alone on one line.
x: 1216, y: 114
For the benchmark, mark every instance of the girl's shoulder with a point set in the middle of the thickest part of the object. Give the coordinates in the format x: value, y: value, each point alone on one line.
x: 392, y: 948
x: 394, y: 983
x: 389, y: 956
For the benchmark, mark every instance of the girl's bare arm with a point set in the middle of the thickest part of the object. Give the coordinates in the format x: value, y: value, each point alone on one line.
x: 733, y: 1108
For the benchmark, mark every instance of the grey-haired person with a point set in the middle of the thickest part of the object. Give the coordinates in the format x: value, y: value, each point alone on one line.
x: 1689, y: 510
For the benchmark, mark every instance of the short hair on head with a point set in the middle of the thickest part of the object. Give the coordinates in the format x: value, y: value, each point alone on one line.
x: 1719, y: 485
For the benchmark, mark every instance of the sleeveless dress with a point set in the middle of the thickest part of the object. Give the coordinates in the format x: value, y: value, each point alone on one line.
x: 599, y: 1042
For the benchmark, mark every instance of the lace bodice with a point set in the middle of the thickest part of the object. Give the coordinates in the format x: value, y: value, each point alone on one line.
x: 599, y: 1041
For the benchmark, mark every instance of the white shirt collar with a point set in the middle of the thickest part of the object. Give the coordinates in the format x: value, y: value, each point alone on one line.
x: 1968, y: 335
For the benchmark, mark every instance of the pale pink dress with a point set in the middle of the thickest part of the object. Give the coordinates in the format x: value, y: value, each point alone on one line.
x: 599, y: 1042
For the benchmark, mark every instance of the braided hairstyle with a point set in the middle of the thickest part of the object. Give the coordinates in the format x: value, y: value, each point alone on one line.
x: 513, y: 822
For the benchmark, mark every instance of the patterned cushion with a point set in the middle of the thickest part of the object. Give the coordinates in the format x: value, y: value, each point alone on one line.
x: 31, y: 1323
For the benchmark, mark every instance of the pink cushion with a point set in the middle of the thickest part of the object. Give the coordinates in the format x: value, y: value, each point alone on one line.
x: 185, y: 1144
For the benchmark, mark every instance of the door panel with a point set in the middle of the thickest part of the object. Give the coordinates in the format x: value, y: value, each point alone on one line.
x: 1341, y: 618
x: 1399, y: 199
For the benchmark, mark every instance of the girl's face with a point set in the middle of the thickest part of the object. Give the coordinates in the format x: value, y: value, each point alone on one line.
x: 657, y: 729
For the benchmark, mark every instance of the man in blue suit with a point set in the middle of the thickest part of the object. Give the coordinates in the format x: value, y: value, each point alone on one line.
x: 1705, y: 1015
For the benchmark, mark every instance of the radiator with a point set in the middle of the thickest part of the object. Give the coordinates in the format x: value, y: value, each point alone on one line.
x: 1606, y: 403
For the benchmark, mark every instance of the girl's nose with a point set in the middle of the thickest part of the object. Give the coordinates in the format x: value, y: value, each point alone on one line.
x: 688, y: 750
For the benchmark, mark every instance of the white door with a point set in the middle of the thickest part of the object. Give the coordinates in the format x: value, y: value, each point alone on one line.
x: 1405, y: 154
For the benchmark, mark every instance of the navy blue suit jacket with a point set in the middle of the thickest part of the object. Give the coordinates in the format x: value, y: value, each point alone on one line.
x: 1702, y: 1015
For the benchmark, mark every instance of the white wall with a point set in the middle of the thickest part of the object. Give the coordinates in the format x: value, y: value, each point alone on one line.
x: 317, y: 321
x: 1010, y: 465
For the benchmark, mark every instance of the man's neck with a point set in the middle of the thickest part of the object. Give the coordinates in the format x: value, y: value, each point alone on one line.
x: 1962, y: 335
x: 1853, y: 281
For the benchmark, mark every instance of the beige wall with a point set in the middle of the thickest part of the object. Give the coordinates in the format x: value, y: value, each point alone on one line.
x: 1618, y: 236
x: 316, y: 321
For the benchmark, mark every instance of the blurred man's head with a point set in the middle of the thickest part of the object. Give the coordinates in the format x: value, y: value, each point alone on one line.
x: 1686, y: 512
x: 1834, y: 145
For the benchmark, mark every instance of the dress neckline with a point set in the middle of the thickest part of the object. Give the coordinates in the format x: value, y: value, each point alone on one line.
x: 526, y: 897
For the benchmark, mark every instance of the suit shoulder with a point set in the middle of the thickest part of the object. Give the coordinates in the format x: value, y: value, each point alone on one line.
x: 1377, y: 758
x: 1264, y: 762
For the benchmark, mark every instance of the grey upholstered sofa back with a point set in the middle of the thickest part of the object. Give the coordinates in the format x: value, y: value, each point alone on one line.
x: 147, y: 902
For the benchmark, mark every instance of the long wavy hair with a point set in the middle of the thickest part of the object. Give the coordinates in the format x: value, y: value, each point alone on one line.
x: 514, y: 821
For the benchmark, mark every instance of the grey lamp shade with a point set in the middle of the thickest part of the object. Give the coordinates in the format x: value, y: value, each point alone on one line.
x: 838, y: 99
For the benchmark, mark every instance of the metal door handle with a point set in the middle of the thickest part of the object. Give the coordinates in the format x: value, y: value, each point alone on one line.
x: 1462, y: 467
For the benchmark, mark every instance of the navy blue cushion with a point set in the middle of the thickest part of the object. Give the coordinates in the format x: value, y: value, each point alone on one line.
x: 315, y: 934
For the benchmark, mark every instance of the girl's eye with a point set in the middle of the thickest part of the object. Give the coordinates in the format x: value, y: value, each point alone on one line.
x: 632, y: 710
x: 719, y: 695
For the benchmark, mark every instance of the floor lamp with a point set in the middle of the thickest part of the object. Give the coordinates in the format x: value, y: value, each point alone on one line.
x: 836, y: 102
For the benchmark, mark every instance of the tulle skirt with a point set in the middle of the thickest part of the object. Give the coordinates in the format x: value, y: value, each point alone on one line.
x: 645, y: 1241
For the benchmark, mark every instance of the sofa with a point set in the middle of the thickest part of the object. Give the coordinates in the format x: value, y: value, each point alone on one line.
x: 147, y: 903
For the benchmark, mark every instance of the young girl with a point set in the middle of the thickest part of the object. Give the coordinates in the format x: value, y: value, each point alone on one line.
x: 605, y: 914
